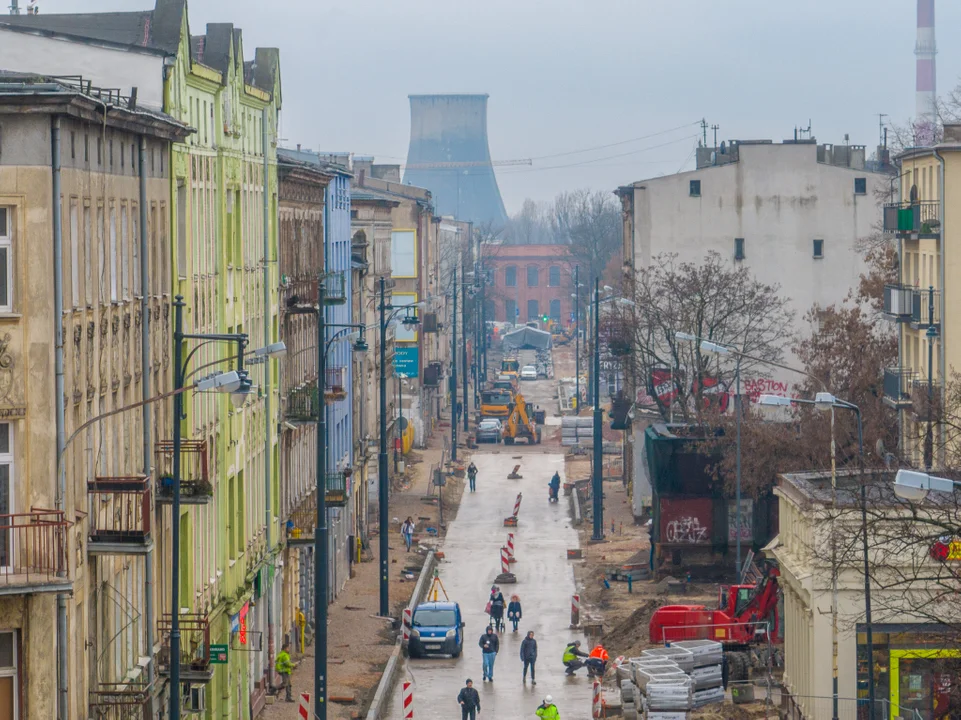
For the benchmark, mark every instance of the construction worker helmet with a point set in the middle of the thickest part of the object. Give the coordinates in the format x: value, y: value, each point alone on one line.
x: 548, y: 699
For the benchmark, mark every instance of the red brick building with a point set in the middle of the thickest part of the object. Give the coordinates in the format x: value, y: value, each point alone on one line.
x: 536, y: 280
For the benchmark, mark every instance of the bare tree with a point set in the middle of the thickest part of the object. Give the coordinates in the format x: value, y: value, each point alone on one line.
x: 710, y: 300
x: 589, y: 222
x: 530, y: 225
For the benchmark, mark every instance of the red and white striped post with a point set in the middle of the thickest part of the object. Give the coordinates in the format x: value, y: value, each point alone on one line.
x: 408, y: 700
x: 408, y: 613
x: 597, y: 704
x: 517, y: 504
x: 575, y: 610
x: 303, y: 711
x: 505, y: 562
x: 510, y: 548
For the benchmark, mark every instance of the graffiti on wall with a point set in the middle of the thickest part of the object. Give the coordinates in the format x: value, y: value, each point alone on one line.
x: 685, y: 521
x: 685, y: 531
x: 747, y: 521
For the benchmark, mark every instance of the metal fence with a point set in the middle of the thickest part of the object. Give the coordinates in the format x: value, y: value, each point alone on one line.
x: 810, y: 707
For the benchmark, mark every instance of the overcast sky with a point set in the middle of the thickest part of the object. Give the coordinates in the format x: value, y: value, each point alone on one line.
x: 567, y: 75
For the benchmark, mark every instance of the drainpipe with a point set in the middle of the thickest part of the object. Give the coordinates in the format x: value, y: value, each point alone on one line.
x: 61, y: 501
x: 944, y: 328
x: 145, y: 388
x: 268, y: 449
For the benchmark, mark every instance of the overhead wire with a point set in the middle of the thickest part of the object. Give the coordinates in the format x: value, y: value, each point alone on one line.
x: 600, y: 159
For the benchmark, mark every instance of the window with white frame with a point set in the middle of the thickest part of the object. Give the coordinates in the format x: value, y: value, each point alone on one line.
x: 6, y: 493
x: 9, y: 676
x: 113, y: 252
x: 6, y: 259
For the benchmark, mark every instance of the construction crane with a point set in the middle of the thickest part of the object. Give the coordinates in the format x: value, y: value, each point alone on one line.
x: 466, y: 164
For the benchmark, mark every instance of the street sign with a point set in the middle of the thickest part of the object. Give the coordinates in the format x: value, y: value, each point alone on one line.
x: 218, y: 654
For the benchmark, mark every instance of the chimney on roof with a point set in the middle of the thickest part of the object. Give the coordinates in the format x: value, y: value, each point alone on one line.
x: 298, y: 147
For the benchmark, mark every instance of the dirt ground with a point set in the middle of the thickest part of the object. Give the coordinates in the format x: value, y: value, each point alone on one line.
x: 359, y: 642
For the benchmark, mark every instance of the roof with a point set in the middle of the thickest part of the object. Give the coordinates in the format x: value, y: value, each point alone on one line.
x: 815, y: 487
x: 362, y: 194
x: 514, y: 252
x: 437, y: 605
x: 157, y: 29
x: 311, y: 159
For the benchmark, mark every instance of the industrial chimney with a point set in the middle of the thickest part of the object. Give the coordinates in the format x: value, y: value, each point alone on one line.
x: 449, y: 156
x: 926, y: 85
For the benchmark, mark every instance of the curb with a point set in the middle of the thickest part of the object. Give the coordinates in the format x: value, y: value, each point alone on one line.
x: 576, y: 506
x: 389, y: 678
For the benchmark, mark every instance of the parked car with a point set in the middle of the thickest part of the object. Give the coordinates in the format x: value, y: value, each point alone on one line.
x: 528, y: 372
x: 436, y: 628
x: 489, y: 430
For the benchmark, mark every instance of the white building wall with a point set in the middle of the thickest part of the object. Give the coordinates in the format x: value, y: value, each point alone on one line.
x: 779, y: 199
x: 103, y: 66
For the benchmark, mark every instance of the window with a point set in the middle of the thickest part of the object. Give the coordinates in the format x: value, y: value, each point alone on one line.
x: 860, y: 186
x: 6, y: 260
x: 6, y: 495
x: 531, y: 276
x: 135, y: 247
x: 124, y: 251
x: 510, y: 311
x: 74, y: 252
x: 556, y: 309
x: 181, y: 231
x: 73, y: 145
x: 510, y: 276
x: 101, y: 253
x: 532, y: 312
x: 695, y: 189
x: 403, y: 254
x: 739, y: 249
x: 113, y: 252
x: 87, y: 243
x: 818, y: 249
x: 554, y: 276
x: 9, y: 677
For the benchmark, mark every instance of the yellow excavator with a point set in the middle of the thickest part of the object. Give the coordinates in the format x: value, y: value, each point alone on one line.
x: 520, y: 423
x: 511, y: 366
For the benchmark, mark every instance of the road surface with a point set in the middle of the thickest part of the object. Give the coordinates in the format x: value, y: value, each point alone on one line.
x: 545, y: 585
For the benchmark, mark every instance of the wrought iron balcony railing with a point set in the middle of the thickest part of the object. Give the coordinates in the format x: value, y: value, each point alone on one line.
x: 195, y: 485
x: 120, y: 513
x: 336, y: 386
x: 302, y: 404
x: 898, y: 301
x: 33, y: 552
x: 923, y: 218
x: 194, y: 647
x: 119, y: 701
x: 897, y: 386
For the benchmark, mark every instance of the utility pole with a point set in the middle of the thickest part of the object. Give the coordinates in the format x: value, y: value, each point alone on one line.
x: 464, y: 329
x: 320, y: 531
x: 453, y: 409
x: 932, y: 336
x: 597, y: 484
x: 577, y: 343
x: 382, y: 480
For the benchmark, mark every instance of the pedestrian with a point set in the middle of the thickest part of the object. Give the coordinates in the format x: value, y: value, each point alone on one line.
x: 285, y: 667
x: 529, y: 655
x: 407, y: 530
x: 469, y: 700
x: 472, y: 476
x: 548, y: 710
x: 572, y: 655
x: 597, y: 662
x: 497, y: 608
x: 514, y: 611
x: 489, y: 644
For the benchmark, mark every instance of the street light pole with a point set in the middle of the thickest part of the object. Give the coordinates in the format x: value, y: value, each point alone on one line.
x: 737, y: 490
x: 175, y: 698
x: 577, y: 342
x: 598, y: 476
x: 463, y: 325
x: 453, y: 410
x: 932, y: 335
x: 320, y: 532
x: 382, y: 480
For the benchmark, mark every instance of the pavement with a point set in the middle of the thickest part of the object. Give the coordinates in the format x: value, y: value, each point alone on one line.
x: 545, y: 585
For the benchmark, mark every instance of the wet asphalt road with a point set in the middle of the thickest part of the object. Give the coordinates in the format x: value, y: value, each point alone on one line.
x: 545, y: 583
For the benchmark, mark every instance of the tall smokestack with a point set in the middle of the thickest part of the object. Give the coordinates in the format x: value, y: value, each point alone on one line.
x: 926, y: 89
x: 449, y: 155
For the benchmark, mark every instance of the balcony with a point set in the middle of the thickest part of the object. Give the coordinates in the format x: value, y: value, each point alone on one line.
x: 120, y: 514
x: 919, y: 399
x: 33, y: 552
x: 898, y: 301
x: 898, y: 384
x: 195, y: 485
x: 921, y: 315
x: 194, y: 647
x: 303, y: 520
x: 119, y: 701
x: 335, y: 289
x: 336, y: 387
x: 921, y: 218
x: 302, y: 404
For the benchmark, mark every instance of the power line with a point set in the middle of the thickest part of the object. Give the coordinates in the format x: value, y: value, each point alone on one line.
x: 601, y: 159
x: 615, y: 144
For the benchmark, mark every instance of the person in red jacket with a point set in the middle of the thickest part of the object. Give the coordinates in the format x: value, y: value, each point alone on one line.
x: 597, y: 661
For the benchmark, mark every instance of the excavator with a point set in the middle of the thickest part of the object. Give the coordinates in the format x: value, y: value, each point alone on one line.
x: 746, y: 617
x: 511, y: 366
x: 520, y: 423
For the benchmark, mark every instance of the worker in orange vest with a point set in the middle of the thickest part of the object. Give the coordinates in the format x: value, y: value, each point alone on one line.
x: 597, y: 661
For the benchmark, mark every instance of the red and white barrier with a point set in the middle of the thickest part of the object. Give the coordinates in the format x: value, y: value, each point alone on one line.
x: 505, y: 561
x: 304, y: 710
x: 408, y: 622
x: 597, y: 704
x: 510, y: 547
x: 408, y: 701
x: 575, y: 610
x: 517, y: 504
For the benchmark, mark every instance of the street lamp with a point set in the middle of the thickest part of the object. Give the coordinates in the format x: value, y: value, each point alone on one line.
x: 238, y: 385
x: 825, y: 401
x: 915, y: 486
x: 382, y: 479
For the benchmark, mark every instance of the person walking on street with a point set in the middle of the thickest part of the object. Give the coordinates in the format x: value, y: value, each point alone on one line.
x: 514, y: 611
x: 285, y: 667
x: 472, y: 476
x: 529, y: 655
x: 497, y: 608
x: 489, y: 644
x: 407, y: 530
x: 572, y: 655
x: 469, y: 700
x: 548, y: 710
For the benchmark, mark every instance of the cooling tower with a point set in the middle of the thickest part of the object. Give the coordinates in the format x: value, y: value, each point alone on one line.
x: 449, y: 156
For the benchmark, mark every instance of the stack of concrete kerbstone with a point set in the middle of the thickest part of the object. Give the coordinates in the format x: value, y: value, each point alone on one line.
x: 707, y: 673
x: 577, y: 430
